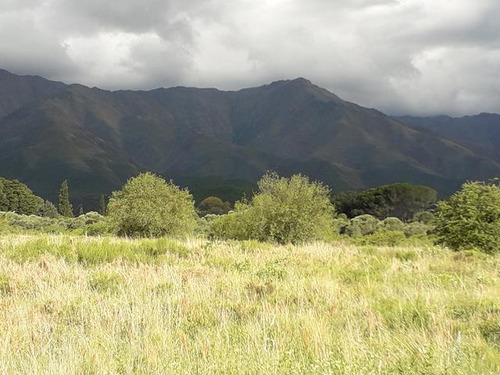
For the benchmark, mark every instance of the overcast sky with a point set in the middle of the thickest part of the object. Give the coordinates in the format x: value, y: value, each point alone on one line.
x: 401, y: 56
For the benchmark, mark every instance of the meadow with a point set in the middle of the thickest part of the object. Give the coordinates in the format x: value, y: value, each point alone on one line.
x: 108, y: 305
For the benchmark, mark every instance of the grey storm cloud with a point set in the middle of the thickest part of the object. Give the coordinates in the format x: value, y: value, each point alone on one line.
x: 400, y: 56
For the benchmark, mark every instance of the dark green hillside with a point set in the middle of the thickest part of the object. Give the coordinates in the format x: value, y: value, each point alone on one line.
x: 96, y: 139
x: 480, y: 133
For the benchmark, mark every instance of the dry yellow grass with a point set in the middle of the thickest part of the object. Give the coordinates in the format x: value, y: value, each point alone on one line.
x: 197, y: 307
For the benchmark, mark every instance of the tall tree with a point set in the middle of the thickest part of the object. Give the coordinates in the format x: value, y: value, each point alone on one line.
x: 102, y: 205
x: 65, y: 208
x: 17, y: 197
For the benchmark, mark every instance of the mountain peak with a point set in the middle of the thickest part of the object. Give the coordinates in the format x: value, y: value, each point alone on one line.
x: 301, y: 80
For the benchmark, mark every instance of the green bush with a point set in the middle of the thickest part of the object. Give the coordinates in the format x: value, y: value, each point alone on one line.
x: 424, y: 217
x: 470, y: 218
x: 100, y: 228
x: 284, y: 210
x: 148, y: 206
x: 213, y: 206
x: 392, y: 224
x: 47, y: 209
x: 383, y: 237
x: 362, y: 225
x: 47, y: 224
x: 416, y: 229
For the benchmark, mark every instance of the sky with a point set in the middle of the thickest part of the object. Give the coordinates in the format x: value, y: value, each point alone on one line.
x: 418, y: 57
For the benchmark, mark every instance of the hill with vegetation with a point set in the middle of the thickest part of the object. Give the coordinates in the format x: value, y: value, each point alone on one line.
x: 480, y: 133
x: 211, y: 139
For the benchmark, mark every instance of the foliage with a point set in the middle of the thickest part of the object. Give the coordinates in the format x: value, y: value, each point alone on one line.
x: 417, y: 228
x: 64, y: 208
x: 17, y: 197
x: 103, y: 207
x: 151, y: 207
x: 470, y: 218
x: 213, y: 206
x: 425, y: 217
x: 283, y: 210
x: 392, y: 224
x: 383, y: 237
x: 47, y: 209
x: 362, y: 225
x: 398, y: 200
x: 47, y: 224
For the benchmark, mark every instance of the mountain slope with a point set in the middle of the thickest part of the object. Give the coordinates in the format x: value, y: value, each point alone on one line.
x: 480, y: 133
x: 50, y: 131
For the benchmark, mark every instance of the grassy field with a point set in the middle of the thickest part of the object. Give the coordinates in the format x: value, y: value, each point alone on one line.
x: 76, y: 305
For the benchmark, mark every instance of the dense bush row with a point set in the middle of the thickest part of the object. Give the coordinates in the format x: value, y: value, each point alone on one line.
x: 92, y: 222
x: 282, y: 210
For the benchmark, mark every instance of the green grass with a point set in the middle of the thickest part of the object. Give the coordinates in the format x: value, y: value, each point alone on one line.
x: 76, y: 305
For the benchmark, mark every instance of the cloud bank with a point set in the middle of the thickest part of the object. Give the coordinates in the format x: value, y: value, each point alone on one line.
x: 419, y: 57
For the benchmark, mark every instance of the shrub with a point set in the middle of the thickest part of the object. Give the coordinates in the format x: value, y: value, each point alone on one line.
x: 284, y: 210
x: 392, y: 224
x: 98, y: 229
x: 384, y: 237
x: 149, y: 206
x: 213, y: 206
x: 470, y: 218
x: 46, y: 224
x: 362, y: 225
x: 416, y: 229
x: 47, y: 209
x: 425, y: 217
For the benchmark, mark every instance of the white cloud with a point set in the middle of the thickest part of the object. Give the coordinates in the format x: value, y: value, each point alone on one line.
x: 401, y: 56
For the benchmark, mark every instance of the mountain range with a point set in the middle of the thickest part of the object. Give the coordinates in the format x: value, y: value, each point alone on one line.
x: 221, y: 142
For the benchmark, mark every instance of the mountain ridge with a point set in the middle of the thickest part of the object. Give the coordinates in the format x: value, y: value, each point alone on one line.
x: 95, y: 138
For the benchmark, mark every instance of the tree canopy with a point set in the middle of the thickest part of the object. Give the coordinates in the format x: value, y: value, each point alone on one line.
x: 283, y: 210
x: 213, y: 206
x: 470, y: 218
x: 17, y: 197
x: 396, y: 200
x: 64, y: 208
x: 149, y: 206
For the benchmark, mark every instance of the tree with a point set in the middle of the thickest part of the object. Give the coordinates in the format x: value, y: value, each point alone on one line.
x: 103, y: 209
x: 64, y: 208
x: 284, y: 210
x: 470, y: 218
x: 17, y: 197
x: 396, y: 200
x: 48, y: 210
x: 213, y: 206
x: 148, y: 206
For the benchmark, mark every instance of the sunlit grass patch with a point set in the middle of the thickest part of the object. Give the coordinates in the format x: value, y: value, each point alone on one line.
x: 76, y: 305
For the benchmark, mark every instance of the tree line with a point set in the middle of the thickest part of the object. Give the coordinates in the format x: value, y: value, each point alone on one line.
x: 285, y: 210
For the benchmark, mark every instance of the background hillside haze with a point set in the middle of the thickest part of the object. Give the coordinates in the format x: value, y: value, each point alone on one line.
x: 223, y: 141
